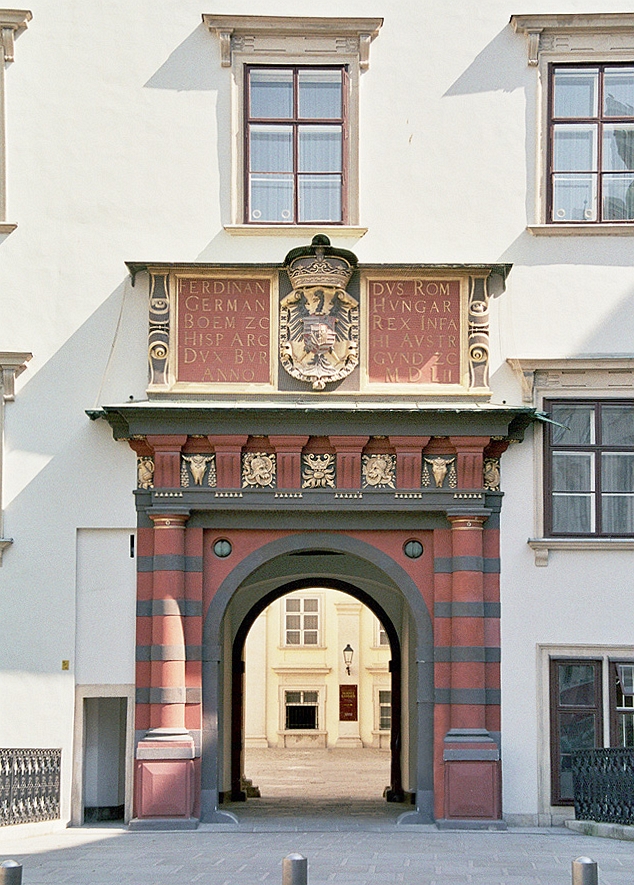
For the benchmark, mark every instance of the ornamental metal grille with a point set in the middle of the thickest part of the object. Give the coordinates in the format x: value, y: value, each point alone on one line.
x: 29, y: 786
x: 603, y: 782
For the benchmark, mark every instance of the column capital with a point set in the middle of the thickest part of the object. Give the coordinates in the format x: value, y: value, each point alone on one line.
x: 169, y: 520
x: 467, y: 522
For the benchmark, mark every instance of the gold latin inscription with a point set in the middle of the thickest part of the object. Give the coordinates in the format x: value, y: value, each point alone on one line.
x: 223, y: 330
x: 414, y: 334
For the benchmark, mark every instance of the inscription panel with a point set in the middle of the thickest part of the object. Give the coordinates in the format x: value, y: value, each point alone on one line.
x: 224, y: 330
x: 414, y: 331
x: 348, y: 703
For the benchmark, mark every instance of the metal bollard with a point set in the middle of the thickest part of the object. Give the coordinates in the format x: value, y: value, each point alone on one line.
x: 10, y: 872
x: 585, y: 871
x: 295, y: 870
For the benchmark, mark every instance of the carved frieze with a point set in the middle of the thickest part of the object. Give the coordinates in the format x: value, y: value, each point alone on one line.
x: 491, y: 474
x: 318, y: 471
x: 378, y: 471
x: 145, y: 472
x: 258, y: 470
x: 159, y: 331
x: 478, y: 344
x: 441, y: 470
x: 195, y: 468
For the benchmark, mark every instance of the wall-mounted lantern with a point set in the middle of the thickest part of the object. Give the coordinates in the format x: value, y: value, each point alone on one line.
x: 348, y: 653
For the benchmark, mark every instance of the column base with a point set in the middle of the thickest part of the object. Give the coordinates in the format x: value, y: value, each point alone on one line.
x: 471, y: 824
x: 164, y: 789
x: 473, y: 783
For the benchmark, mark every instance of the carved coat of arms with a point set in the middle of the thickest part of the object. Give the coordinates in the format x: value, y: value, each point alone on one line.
x: 319, y: 320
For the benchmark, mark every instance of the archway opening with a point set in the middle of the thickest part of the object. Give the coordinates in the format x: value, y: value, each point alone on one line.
x: 317, y: 714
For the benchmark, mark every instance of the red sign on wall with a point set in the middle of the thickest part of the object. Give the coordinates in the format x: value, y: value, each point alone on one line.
x: 348, y: 703
x: 414, y: 331
x: 224, y: 330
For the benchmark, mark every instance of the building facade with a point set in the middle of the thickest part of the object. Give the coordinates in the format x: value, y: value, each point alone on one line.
x: 288, y: 303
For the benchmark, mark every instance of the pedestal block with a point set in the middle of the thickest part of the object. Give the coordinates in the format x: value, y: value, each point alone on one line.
x: 473, y: 795
x: 164, y: 790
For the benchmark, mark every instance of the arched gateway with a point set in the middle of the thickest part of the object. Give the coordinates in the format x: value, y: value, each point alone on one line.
x: 321, y: 424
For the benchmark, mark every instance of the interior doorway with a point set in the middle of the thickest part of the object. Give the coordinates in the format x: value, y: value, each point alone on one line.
x: 104, y: 758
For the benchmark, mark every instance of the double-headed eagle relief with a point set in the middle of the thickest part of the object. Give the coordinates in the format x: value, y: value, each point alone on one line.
x: 319, y: 320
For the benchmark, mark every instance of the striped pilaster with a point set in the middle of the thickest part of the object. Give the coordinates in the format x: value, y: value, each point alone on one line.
x: 409, y: 460
x: 289, y: 460
x: 349, y: 450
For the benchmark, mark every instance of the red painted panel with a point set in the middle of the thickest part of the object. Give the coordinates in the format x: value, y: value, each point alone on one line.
x: 164, y: 788
x: 348, y: 703
x: 472, y: 790
x: 223, y: 330
x: 414, y: 335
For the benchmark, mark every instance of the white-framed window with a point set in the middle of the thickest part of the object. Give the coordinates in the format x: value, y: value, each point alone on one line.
x: 602, y: 464
x: 380, y: 635
x: 12, y: 364
x: 301, y: 710
x: 302, y: 621
x: 295, y: 119
x: 12, y: 22
x: 584, y: 716
x: 384, y: 709
x: 584, y: 94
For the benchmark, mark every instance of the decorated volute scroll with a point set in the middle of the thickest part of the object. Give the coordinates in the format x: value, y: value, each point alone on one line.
x: 319, y: 319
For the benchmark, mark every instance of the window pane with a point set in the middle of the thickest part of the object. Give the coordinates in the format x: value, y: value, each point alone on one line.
x: 292, y: 637
x: 311, y: 605
x: 618, y: 147
x: 293, y: 605
x: 625, y: 730
x: 310, y: 637
x: 293, y: 622
x: 575, y: 148
x: 576, y: 685
x: 271, y: 149
x: 574, y: 197
x: 578, y: 425
x: 573, y: 471
x: 271, y: 198
x: 320, y: 94
x: 320, y: 149
x: 618, y: 197
x: 618, y: 90
x: 576, y: 92
x: 310, y: 697
x: 577, y: 732
x: 293, y: 697
x: 573, y: 514
x: 311, y: 622
x: 617, y: 425
x: 385, y: 697
x: 271, y: 94
x: 320, y: 198
x: 617, y: 514
x: 617, y: 472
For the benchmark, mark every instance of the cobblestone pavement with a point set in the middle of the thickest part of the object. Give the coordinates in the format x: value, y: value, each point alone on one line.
x: 348, y: 836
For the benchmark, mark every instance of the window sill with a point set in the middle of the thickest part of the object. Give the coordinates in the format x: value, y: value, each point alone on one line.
x: 541, y: 546
x: 6, y: 227
x: 584, y: 230
x: 294, y: 230
x: 4, y: 543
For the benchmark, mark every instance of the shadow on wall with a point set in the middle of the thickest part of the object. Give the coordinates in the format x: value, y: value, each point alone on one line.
x: 193, y: 65
x: 499, y: 67
x: 58, y: 447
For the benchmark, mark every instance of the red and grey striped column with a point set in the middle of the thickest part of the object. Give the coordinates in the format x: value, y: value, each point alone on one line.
x: 164, y: 776
x: 471, y: 759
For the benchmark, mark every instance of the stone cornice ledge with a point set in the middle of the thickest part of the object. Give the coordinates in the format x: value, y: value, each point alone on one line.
x: 541, y: 546
x: 7, y: 227
x: 12, y: 364
x: 550, y: 25
x: 581, y: 230
x: 296, y: 230
x: 363, y: 30
x: 12, y: 21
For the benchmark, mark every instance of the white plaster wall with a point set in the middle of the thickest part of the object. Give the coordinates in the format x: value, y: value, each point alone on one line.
x: 118, y: 148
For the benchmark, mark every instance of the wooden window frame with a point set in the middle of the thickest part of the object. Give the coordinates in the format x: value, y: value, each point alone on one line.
x: 302, y: 629
x: 295, y: 122
x: 597, y: 449
x: 556, y: 708
x: 599, y: 121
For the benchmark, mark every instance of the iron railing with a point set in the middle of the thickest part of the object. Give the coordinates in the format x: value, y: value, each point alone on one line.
x: 29, y: 785
x: 603, y: 783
